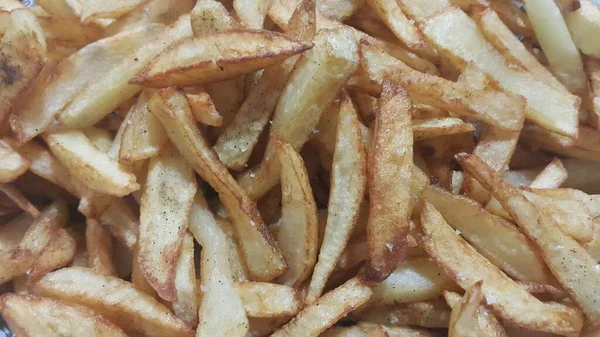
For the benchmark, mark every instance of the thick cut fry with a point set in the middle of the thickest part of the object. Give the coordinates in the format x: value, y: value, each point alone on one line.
x: 546, y: 106
x: 107, y: 9
x: 316, y: 79
x: 303, y: 22
x: 505, y: 297
x: 574, y: 268
x: 390, y: 174
x: 263, y: 257
x: 57, y: 254
x: 491, y: 235
x: 12, y: 164
x: 168, y: 196
x: 554, y: 174
x: 37, y: 316
x: 113, y: 298
x: 204, y: 109
x: 68, y: 33
x: 83, y: 95
x: 209, y: 17
x: 297, y: 234
x: 348, y: 180
x: 428, y: 314
x: 268, y: 300
x: 327, y: 310
x: 93, y: 168
x: 252, y: 13
x: 584, y: 26
x: 186, y: 305
x: 98, y: 242
x: 496, y: 108
x: 154, y: 11
x: 218, y: 57
x: 469, y: 317
x: 221, y: 310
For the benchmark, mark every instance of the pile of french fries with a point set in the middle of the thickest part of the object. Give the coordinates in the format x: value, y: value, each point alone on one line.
x: 290, y: 168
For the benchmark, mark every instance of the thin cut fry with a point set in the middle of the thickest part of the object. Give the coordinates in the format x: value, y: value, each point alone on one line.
x: 265, y: 300
x: 100, y: 248
x: 19, y: 199
x: 186, y: 305
x: 204, y: 109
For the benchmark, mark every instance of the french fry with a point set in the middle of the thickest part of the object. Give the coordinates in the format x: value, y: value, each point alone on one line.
x: 9, y: 5
x: 303, y: 22
x: 584, y: 24
x: 100, y: 248
x: 210, y: 17
x: 428, y: 314
x: 38, y: 316
x: 396, y: 331
x: 12, y: 164
x: 501, y: 293
x: 555, y: 247
x: 469, y: 317
x: 592, y: 67
x: 12, y: 232
x: 553, y: 175
x: 489, y: 234
x: 308, y: 91
x: 93, y: 168
x: 68, y: 32
x: 316, y: 318
x: 58, y: 253
x: 168, y: 196
x: 252, y: 13
x: 261, y: 252
x: 428, y: 128
x: 107, y: 9
x: 297, y: 235
x: 268, y: 300
x: 493, y: 107
x: 590, y: 202
x: 584, y: 146
x: 348, y: 181
x: 154, y: 11
x: 204, y: 109
x: 186, y: 305
x: 560, y: 116
x: 129, y: 308
x: 389, y: 172
x: 221, y: 310
x: 137, y: 276
x: 219, y: 57
x: 13, y: 194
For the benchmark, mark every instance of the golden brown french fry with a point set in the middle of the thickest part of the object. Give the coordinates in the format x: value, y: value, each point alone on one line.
x: 221, y: 310
x: 316, y: 318
x: 348, y: 180
x: 130, y: 309
x: 505, y: 297
x: 252, y: 13
x: 268, y: 300
x: 490, y: 234
x: 154, y: 11
x: 57, y: 254
x: 38, y: 316
x: 93, y: 168
x: 219, y: 57
x: 496, y: 108
x: 107, y: 9
x: 469, y: 317
x: 211, y: 16
x: 303, y: 22
x: 308, y: 91
x: 12, y: 164
x: 204, y: 109
x: 297, y: 234
x: 428, y: 314
x: 263, y: 257
x: 100, y: 248
x: 186, y: 305
x: 470, y: 46
x: 168, y: 196
x: 389, y: 173
x: 555, y: 247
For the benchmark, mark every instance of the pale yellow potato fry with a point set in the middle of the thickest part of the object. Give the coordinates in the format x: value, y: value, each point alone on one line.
x: 396, y: 331
x: 584, y: 146
x: 83, y: 95
x: 592, y: 67
x: 68, y: 32
x: 236, y: 143
x: 554, y: 174
x: 497, y: 108
x: 340, y: 10
x: 415, y: 280
x: 501, y: 37
x: 428, y: 314
x: 263, y: 257
x: 428, y: 128
x: 252, y: 13
x: 490, y: 235
x: 554, y: 246
x: 504, y: 296
x: 154, y: 11
x: 61, y: 8
x: 204, y: 109
x: 469, y: 317
x: 316, y: 318
x: 316, y: 79
x: 297, y: 234
x: 12, y: 164
x: 217, y: 57
x: 209, y: 17
x: 107, y: 9
x: 282, y: 10
x: 143, y: 136
x: 23, y: 49
x: 238, y: 265
x: 19, y: 199
x: 221, y: 311
x: 9, y: 5
x: 390, y: 13
x: 113, y: 298
x: 347, y: 187
x: 303, y: 22
x: 94, y: 169
x: 38, y: 316
x: 591, y: 202
x: 584, y: 26
x: 98, y: 242
x: 122, y: 223
x: 268, y: 300
x: 168, y: 196
x: 137, y: 276
x: 420, y: 10
x: 546, y: 106
x: 186, y: 305
x: 58, y: 253
x: 389, y: 171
